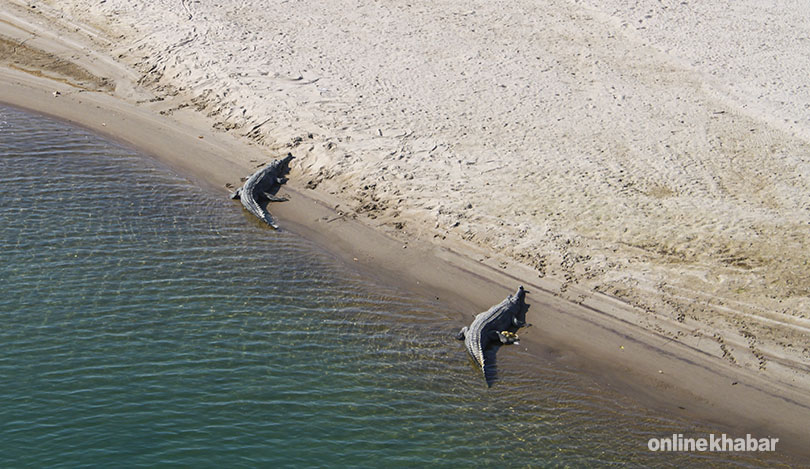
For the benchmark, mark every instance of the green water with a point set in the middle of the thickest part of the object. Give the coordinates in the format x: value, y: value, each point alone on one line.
x: 146, y: 322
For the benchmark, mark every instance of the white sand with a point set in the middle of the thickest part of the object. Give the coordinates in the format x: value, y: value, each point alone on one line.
x: 656, y: 151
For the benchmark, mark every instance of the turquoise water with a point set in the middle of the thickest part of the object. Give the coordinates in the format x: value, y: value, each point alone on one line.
x: 146, y: 322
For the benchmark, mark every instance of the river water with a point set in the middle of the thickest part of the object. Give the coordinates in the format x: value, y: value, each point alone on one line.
x: 147, y: 322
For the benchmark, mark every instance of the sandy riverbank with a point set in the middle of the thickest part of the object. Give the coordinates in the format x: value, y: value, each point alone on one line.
x: 677, y: 235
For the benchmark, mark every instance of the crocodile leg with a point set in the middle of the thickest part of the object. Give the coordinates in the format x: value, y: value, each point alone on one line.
x: 462, y: 333
x: 274, y: 198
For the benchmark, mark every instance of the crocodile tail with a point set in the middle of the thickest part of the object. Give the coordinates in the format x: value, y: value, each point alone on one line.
x: 488, y: 367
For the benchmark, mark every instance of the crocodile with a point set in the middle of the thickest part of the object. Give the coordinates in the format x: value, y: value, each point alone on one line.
x: 260, y: 186
x: 491, y: 328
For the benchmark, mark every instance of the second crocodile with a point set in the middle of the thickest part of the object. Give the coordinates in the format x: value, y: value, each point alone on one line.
x: 492, y: 328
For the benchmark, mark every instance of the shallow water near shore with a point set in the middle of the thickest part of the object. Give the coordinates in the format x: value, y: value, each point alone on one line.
x: 148, y: 322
